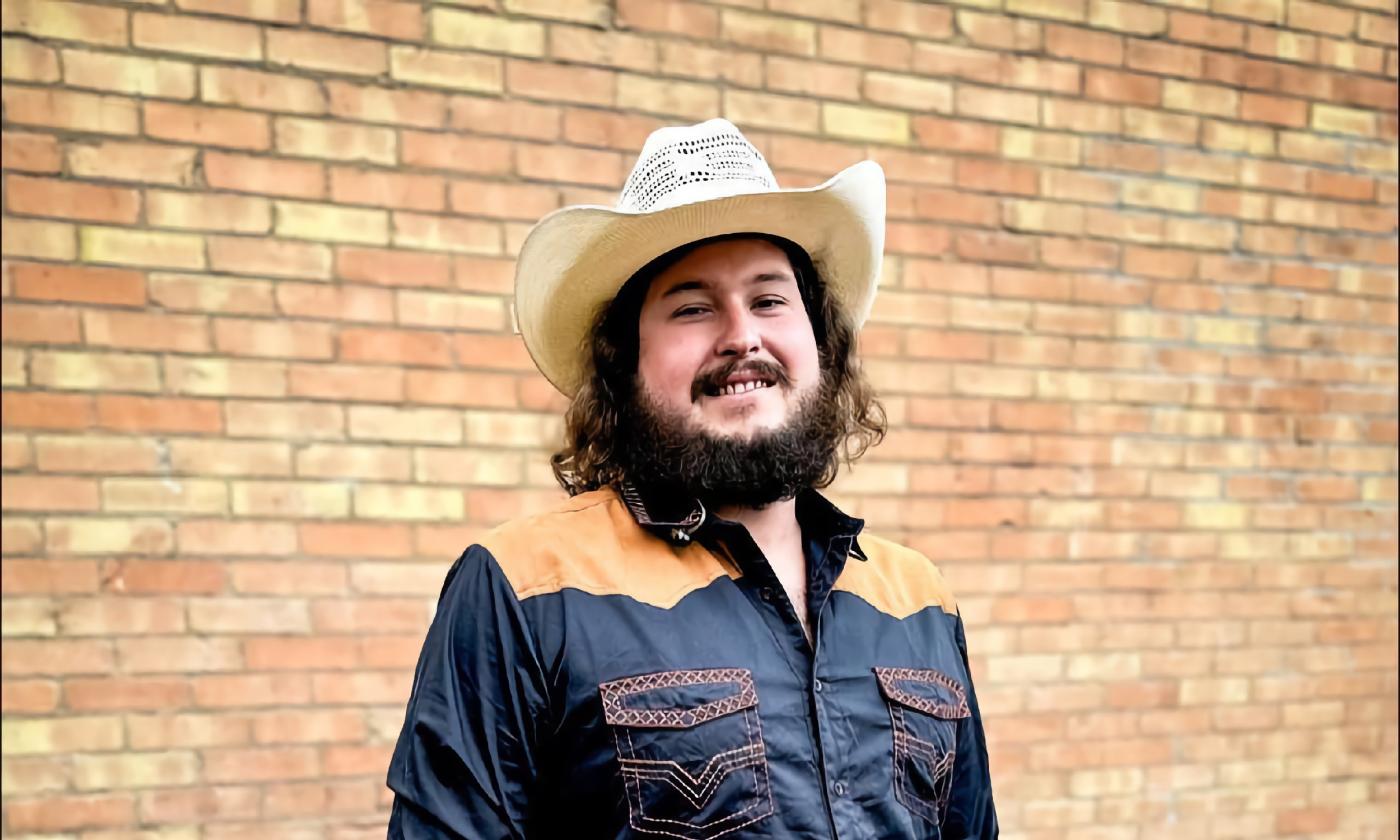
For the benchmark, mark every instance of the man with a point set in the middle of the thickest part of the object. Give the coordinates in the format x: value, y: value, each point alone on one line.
x: 698, y: 644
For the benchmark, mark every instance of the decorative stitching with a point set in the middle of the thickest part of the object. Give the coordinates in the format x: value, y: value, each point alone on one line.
x: 890, y: 678
x: 616, y: 692
x: 909, y: 747
x: 696, y: 790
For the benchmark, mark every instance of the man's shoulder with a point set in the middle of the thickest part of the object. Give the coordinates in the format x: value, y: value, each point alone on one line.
x: 591, y: 542
x: 896, y: 579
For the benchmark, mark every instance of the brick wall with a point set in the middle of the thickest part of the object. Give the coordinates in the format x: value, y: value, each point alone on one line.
x: 1137, y: 338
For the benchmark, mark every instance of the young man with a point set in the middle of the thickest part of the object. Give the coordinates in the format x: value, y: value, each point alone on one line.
x: 698, y: 644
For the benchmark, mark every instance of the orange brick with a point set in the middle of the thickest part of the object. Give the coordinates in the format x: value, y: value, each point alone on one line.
x: 396, y: 20
x: 274, y: 257
x: 255, y: 90
x: 329, y: 53
x: 465, y: 154
x: 682, y: 18
x: 207, y: 126
x: 79, y: 284
x: 31, y: 152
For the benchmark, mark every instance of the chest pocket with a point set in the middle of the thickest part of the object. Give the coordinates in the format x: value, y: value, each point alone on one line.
x: 925, y: 708
x: 690, y: 751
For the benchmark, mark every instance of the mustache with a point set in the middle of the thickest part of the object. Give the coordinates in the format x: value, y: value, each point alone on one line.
x: 711, y: 382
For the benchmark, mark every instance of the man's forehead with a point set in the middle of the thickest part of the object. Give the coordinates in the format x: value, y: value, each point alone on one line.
x: 748, y: 260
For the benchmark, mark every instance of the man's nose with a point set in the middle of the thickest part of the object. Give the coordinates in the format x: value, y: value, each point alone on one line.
x: 741, y: 334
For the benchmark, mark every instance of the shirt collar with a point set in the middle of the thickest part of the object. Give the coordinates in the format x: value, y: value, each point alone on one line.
x: 676, y: 518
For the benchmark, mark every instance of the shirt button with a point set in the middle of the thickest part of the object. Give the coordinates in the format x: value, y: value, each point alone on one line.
x: 839, y: 788
x: 765, y: 594
x: 817, y: 686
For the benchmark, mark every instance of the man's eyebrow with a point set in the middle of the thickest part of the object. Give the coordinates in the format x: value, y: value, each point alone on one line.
x: 699, y: 284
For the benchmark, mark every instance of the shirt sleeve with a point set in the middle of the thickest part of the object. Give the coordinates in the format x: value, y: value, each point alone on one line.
x: 467, y: 758
x: 971, y: 812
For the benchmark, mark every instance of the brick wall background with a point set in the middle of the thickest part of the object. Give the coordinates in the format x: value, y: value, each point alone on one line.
x: 1137, y: 338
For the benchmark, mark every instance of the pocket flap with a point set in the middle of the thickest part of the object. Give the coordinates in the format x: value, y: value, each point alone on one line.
x: 924, y: 690
x: 677, y: 699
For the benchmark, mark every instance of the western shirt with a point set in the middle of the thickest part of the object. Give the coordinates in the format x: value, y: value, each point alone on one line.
x: 629, y: 666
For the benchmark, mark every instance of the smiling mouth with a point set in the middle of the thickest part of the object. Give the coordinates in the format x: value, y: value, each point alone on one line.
x: 736, y: 388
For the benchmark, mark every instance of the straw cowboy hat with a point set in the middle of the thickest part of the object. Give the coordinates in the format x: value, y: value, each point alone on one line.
x: 689, y: 183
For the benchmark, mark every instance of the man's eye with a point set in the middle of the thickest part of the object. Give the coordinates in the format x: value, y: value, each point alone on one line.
x: 687, y: 311
x: 769, y: 303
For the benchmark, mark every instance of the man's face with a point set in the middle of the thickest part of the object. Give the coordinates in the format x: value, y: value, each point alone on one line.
x: 725, y: 343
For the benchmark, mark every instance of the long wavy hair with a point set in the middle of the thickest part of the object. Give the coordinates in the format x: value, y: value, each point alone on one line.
x: 590, y: 458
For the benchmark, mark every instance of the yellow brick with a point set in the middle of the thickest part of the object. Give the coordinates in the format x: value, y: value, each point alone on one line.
x: 41, y: 240
x: 27, y: 617
x: 858, y: 123
x: 168, y: 495
x: 203, y: 211
x: 457, y: 71
x: 127, y: 74
x: 451, y: 311
x: 60, y: 735
x: 1217, y: 516
x: 912, y: 93
x: 66, y: 21
x: 410, y: 425
x: 444, y: 233
x: 1341, y: 120
x: 1226, y: 331
x: 1103, y: 666
x: 1058, y: 9
x: 1115, y: 781
x: 140, y: 247
x: 13, y: 367
x: 490, y: 467
x: 294, y: 500
x: 96, y: 371
x: 73, y: 110
x: 110, y: 536
x: 667, y: 96
x: 1127, y: 17
x: 1201, y: 233
x: 489, y: 33
x: 594, y: 12
x: 499, y: 428
x: 1043, y: 216
x: 329, y: 223
x: 1233, y: 137
x: 339, y: 141
x: 134, y: 770
x: 764, y: 110
x: 1206, y: 99
x: 377, y: 501
x: 1181, y: 198
x: 1379, y: 490
x: 27, y: 61
x: 220, y: 377
x: 1025, y: 144
x: 768, y: 33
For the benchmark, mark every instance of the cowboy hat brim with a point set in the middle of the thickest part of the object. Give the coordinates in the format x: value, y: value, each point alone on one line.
x: 576, y: 259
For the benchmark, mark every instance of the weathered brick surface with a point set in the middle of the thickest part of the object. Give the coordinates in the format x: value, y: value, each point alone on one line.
x: 1137, y: 338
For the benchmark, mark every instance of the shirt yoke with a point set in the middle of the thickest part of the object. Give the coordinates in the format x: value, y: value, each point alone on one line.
x: 895, y: 580
x: 592, y: 543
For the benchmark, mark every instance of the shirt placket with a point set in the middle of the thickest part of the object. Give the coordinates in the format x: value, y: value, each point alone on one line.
x: 825, y: 558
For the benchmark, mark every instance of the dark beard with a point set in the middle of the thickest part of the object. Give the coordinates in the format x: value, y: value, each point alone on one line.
x: 664, y: 450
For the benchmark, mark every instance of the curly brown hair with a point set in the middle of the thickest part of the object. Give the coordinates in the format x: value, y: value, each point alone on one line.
x: 590, y: 457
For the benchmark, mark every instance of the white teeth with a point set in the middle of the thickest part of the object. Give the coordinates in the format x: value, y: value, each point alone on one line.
x: 742, y: 387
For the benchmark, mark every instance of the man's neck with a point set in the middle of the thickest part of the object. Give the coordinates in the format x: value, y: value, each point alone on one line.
x: 770, y: 526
